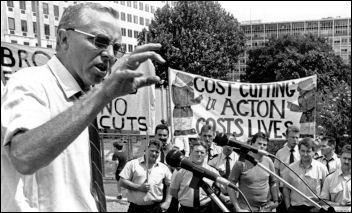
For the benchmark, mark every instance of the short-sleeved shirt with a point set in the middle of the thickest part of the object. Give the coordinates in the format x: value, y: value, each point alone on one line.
x: 337, y: 188
x: 254, y: 182
x: 136, y: 172
x: 314, y: 176
x: 334, y: 163
x: 180, y: 182
x: 284, y: 155
x: 32, y: 97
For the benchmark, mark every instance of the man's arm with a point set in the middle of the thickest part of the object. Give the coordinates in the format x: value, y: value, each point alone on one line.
x: 34, y: 149
x: 134, y: 186
x: 286, y: 191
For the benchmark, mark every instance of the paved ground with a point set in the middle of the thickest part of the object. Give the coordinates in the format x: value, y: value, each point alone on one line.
x: 114, y: 205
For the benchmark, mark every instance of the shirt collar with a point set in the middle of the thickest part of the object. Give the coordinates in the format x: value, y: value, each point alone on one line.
x: 333, y: 157
x: 65, y: 79
x: 223, y: 156
x: 142, y: 160
x: 310, y: 166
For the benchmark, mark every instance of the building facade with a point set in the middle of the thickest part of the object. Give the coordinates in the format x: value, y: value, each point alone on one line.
x: 19, y: 20
x: 337, y: 31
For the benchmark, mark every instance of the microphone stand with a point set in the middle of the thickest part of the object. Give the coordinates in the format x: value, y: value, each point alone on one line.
x: 252, y: 160
x: 199, y: 182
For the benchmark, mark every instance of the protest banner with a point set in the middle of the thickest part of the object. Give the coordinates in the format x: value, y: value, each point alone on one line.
x: 16, y: 56
x: 241, y: 109
x: 135, y: 112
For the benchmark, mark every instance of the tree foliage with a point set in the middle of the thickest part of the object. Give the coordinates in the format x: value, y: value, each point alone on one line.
x: 198, y: 37
x: 291, y: 57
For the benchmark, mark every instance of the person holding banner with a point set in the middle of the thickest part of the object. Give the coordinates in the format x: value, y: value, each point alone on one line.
x: 145, y: 192
x: 49, y: 161
x: 337, y: 186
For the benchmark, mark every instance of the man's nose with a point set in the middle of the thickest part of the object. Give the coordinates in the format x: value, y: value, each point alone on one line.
x: 109, y: 53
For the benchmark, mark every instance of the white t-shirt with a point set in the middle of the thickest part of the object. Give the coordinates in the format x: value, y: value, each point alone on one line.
x: 32, y: 97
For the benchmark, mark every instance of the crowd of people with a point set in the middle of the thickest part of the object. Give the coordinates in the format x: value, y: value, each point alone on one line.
x: 50, y: 155
x: 261, y: 191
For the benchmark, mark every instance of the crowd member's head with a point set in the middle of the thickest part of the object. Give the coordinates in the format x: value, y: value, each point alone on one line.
x: 118, y: 145
x: 292, y: 136
x: 207, y: 134
x: 198, y: 152
x: 88, y: 41
x: 260, y: 141
x: 162, y: 133
x: 306, y: 149
x: 328, y: 145
x: 346, y: 158
x: 154, y: 149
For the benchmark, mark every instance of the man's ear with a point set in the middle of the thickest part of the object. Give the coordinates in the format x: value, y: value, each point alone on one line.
x: 63, y: 38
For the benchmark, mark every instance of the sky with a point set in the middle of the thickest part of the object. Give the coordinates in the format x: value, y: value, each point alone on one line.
x: 277, y: 11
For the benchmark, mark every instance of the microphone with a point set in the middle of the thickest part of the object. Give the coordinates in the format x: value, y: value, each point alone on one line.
x: 175, y: 158
x: 222, y: 140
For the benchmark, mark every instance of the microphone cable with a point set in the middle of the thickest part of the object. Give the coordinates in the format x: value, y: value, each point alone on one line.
x: 303, y: 181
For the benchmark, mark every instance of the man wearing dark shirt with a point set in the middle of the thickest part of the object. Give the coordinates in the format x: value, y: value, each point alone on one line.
x: 120, y: 159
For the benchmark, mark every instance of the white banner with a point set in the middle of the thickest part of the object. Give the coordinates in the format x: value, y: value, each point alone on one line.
x: 135, y: 112
x: 241, y: 109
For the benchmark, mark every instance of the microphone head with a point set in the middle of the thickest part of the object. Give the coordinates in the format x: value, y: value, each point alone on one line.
x: 174, y: 158
x: 221, y: 139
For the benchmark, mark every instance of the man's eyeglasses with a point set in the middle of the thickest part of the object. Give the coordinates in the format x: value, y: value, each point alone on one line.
x: 102, y: 41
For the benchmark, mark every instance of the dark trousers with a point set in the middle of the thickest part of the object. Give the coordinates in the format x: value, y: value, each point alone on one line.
x: 145, y: 209
x: 299, y: 209
x: 282, y: 206
x: 202, y: 209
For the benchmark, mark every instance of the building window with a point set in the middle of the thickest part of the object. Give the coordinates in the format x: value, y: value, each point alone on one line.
x: 22, y: 5
x: 122, y: 2
x: 135, y: 19
x: 147, y: 7
x: 140, y: 5
x: 152, y: 9
x: 14, y: 41
x: 130, y: 48
x: 46, y: 29
x: 46, y: 8
x: 141, y: 20
x: 34, y: 6
x: 147, y: 22
x: 135, y: 34
x: 55, y: 30
x: 24, y: 25
x: 11, y: 23
x: 129, y: 4
x: 9, y: 3
x: 123, y: 16
x: 123, y: 30
x: 129, y: 18
x: 56, y: 11
x: 124, y: 46
x: 34, y: 27
x: 26, y: 43
x: 129, y: 33
x: 49, y: 46
x: 135, y: 4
